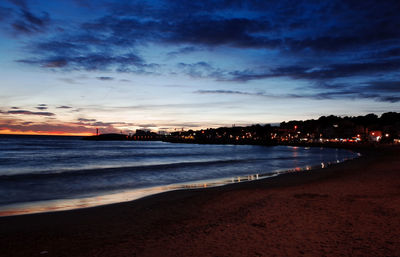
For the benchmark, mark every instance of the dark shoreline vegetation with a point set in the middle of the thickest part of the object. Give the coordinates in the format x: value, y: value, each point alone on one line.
x: 327, y: 130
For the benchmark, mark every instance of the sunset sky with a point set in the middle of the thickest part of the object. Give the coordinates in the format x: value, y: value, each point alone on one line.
x: 68, y: 67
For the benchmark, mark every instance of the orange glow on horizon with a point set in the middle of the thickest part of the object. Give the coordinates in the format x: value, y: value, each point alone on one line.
x: 43, y: 133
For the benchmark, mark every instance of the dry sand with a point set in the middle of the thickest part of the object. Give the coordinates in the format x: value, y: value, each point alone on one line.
x: 350, y: 209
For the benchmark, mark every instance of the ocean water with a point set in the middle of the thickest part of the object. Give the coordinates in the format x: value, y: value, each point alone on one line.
x: 64, y: 171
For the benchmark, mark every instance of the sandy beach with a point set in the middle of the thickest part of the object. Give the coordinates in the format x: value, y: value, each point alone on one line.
x: 349, y: 209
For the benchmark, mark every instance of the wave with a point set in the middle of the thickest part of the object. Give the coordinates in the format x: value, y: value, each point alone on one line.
x: 131, y: 169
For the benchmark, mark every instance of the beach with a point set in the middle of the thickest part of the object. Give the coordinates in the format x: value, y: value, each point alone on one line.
x: 348, y: 209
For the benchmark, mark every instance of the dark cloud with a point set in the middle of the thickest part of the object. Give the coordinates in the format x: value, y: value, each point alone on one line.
x: 60, y: 47
x: 5, y: 13
x: 178, y: 125
x: 97, y: 61
x: 387, y: 53
x: 200, y: 70
x: 206, y: 30
x: 261, y: 94
x: 340, y: 25
x: 86, y: 120
x: 382, y: 91
x: 229, y: 92
x: 324, y: 72
x: 257, y: 94
x: 316, y: 41
x: 352, y: 95
x: 332, y: 93
x: 102, y: 124
x: 391, y: 99
x: 94, y: 47
x: 282, y: 24
x: 184, y: 50
x: 20, y: 3
x: 25, y: 112
x: 349, y: 69
x: 148, y: 125
x: 69, y: 80
x: 64, y: 107
x: 24, y: 20
x: 204, y: 65
x: 344, y: 25
x: 41, y: 107
x: 85, y: 3
x: 105, y: 78
x: 96, y: 123
x: 29, y: 23
x: 384, y: 86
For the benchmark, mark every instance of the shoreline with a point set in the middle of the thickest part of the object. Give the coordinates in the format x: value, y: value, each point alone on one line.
x: 123, y: 196
x: 349, y: 209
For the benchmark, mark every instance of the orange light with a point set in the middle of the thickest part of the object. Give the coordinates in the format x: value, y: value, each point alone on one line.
x: 43, y: 133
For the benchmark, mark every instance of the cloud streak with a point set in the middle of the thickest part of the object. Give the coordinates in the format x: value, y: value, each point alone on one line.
x: 91, y: 62
x: 105, y: 78
x: 25, y: 112
x: 25, y: 21
x: 343, y: 93
x: 332, y: 71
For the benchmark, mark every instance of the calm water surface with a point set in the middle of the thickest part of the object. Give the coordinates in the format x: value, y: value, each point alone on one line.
x: 40, y: 169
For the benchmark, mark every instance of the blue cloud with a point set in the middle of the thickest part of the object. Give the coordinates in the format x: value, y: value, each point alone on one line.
x: 318, y: 42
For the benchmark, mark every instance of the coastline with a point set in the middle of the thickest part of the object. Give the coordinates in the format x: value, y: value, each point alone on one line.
x: 351, y: 208
x: 120, y: 196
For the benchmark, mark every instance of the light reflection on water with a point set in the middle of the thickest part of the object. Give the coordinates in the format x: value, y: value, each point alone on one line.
x: 129, y: 195
x: 39, y: 174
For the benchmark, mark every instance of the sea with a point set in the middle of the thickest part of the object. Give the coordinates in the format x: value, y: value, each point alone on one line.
x: 52, y: 173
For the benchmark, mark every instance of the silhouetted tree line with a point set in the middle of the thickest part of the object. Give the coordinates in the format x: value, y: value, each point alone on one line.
x: 296, y: 130
x: 346, y: 127
x: 341, y: 129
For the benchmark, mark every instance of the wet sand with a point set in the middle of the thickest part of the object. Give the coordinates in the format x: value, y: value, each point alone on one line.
x: 349, y: 209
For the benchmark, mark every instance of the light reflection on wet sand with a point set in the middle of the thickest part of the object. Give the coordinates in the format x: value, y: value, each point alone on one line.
x: 129, y: 195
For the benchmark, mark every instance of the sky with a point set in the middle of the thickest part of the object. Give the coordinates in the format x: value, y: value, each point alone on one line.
x: 69, y: 67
